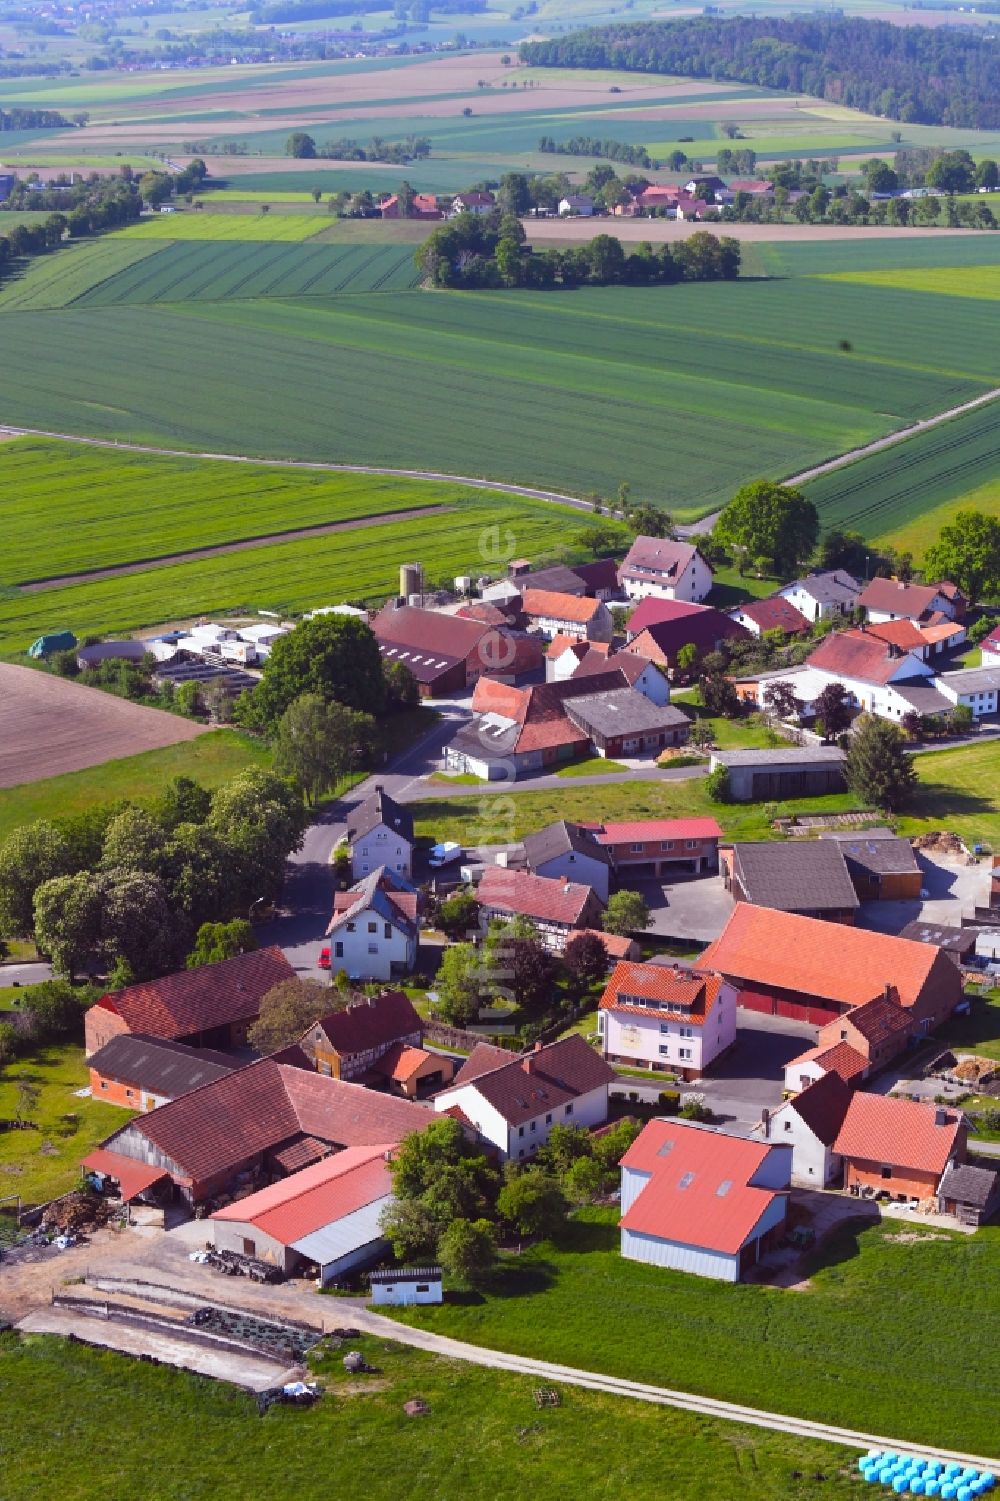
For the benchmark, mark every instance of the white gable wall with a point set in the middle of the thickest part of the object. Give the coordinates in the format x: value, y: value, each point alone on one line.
x: 368, y: 954
x: 381, y: 846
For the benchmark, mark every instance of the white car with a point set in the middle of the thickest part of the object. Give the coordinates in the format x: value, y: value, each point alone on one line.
x: 444, y: 854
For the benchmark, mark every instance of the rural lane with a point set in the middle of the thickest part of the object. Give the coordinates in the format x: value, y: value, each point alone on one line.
x: 709, y: 1407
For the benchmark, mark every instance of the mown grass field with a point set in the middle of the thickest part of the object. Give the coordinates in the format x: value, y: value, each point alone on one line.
x: 913, y: 536
x: 44, y: 1161
x: 191, y: 225
x: 957, y: 789
x: 209, y: 759
x: 920, y: 1365
x: 360, y: 564
x: 574, y: 391
x: 909, y: 489
x: 103, y: 507
x: 483, y: 1439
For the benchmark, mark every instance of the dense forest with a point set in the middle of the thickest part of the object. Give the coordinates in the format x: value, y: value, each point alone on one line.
x: 934, y: 76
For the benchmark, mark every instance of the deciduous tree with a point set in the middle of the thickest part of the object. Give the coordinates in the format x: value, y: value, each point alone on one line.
x: 216, y: 941
x: 467, y: 1250
x: 533, y: 1202
x: 31, y: 855
x: 627, y: 912
x: 68, y: 920
x: 833, y: 710
x: 968, y: 553
x: 287, y: 1011
x: 771, y: 521
x: 317, y: 742
x: 335, y: 656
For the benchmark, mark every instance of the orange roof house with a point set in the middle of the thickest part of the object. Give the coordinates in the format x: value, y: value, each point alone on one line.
x: 697, y: 1201
x: 658, y: 1016
x: 810, y: 970
x: 898, y: 1147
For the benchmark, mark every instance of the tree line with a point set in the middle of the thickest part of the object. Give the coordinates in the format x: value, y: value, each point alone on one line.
x: 91, y: 208
x: 476, y: 251
x: 20, y: 118
x: 411, y: 148
x: 928, y: 75
x: 613, y: 151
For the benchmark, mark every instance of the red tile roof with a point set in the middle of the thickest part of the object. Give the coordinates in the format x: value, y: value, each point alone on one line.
x: 858, y: 654
x: 561, y: 643
x: 402, y: 1061
x: 880, y: 1019
x: 991, y: 642
x: 823, y: 1105
x: 686, y: 994
x: 215, y: 1130
x: 701, y: 1191
x: 643, y: 830
x: 657, y: 558
x: 374, y: 1022
x: 531, y: 1084
x: 659, y: 611
x: 892, y: 597
x: 616, y: 945
x: 899, y: 1133
x: 316, y: 1196
x: 574, y: 607
x: 841, y: 1059
x: 816, y: 958
x: 482, y: 1060
x: 446, y: 636
x: 901, y: 633
x: 539, y: 897
x: 198, y: 1000
x: 704, y: 631
x: 775, y: 614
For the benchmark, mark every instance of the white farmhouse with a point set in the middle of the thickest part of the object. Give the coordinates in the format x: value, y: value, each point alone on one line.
x: 810, y: 1122
x: 514, y: 1100
x: 374, y: 929
x: 569, y: 852
x: 891, y: 599
x: 978, y: 688
x: 823, y: 596
x: 663, y: 569
x: 380, y: 832
x: 652, y: 1016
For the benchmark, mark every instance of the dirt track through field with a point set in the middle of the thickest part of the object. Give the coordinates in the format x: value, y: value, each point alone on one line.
x: 49, y: 725
x: 90, y: 576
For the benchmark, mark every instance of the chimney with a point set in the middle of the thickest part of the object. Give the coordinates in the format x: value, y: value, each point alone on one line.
x: 538, y: 1047
x: 888, y: 992
x: 528, y: 1064
x: 941, y: 1117
x: 765, y: 1124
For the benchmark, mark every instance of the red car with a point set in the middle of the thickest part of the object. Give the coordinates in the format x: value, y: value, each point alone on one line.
x: 324, y: 958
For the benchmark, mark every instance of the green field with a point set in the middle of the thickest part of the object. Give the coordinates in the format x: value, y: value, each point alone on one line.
x: 210, y: 759
x: 199, y: 271
x: 114, y: 508
x: 571, y: 391
x: 920, y: 1363
x: 907, y: 490
x: 484, y: 1439
x: 104, y: 508
x: 913, y: 536
x: 980, y: 282
x: 191, y: 225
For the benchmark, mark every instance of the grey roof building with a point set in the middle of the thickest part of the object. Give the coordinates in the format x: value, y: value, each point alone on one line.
x: 958, y: 943
x: 567, y: 850
x: 806, y: 877
x: 154, y: 1067
x: 799, y: 771
x: 880, y: 864
x: 622, y: 719
x: 378, y: 809
x: 969, y: 1192
x: 922, y: 698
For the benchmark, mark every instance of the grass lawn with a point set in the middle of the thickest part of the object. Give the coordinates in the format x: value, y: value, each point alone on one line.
x: 210, y: 760
x: 591, y: 766
x: 847, y: 1350
x: 958, y: 790
x: 730, y: 587
x: 43, y: 1162
x: 483, y: 1440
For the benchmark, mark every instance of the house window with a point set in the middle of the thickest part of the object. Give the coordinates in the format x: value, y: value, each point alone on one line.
x: 425, y: 1287
x: 667, y: 844
x: 788, y: 1125
x: 568, y: 1110
x: 520, y: 1130
x: 338, y: 951
x: 665, y: 1049
x: 664, y: 1029
x: 636, y: 849
x: 381, y: 834
x: 352, y: 927
x: 685, y: 1052
x: 886, y: 1171
x: 690, y: 844
x: 548, y: 1120
x: 373, y: 948
x: 534, y: 1125
x: 128, y: 1094
x: 388, y: 930
x: 104, y: 1083
x: 521, y: 1152
x: 373, y: 927
x: 687, y: 1031
x: 249, y: 1246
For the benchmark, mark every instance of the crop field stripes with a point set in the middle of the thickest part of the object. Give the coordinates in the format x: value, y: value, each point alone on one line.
x: 268, y: 539
x: 888, y: 488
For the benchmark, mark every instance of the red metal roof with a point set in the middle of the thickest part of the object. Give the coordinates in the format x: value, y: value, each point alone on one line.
x: 701, y: 1191
x: 131, y: 1176
x: 900, y: 1133
x: 316, y: 1196
x: 643, y: 830
x: 197, y: 1000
